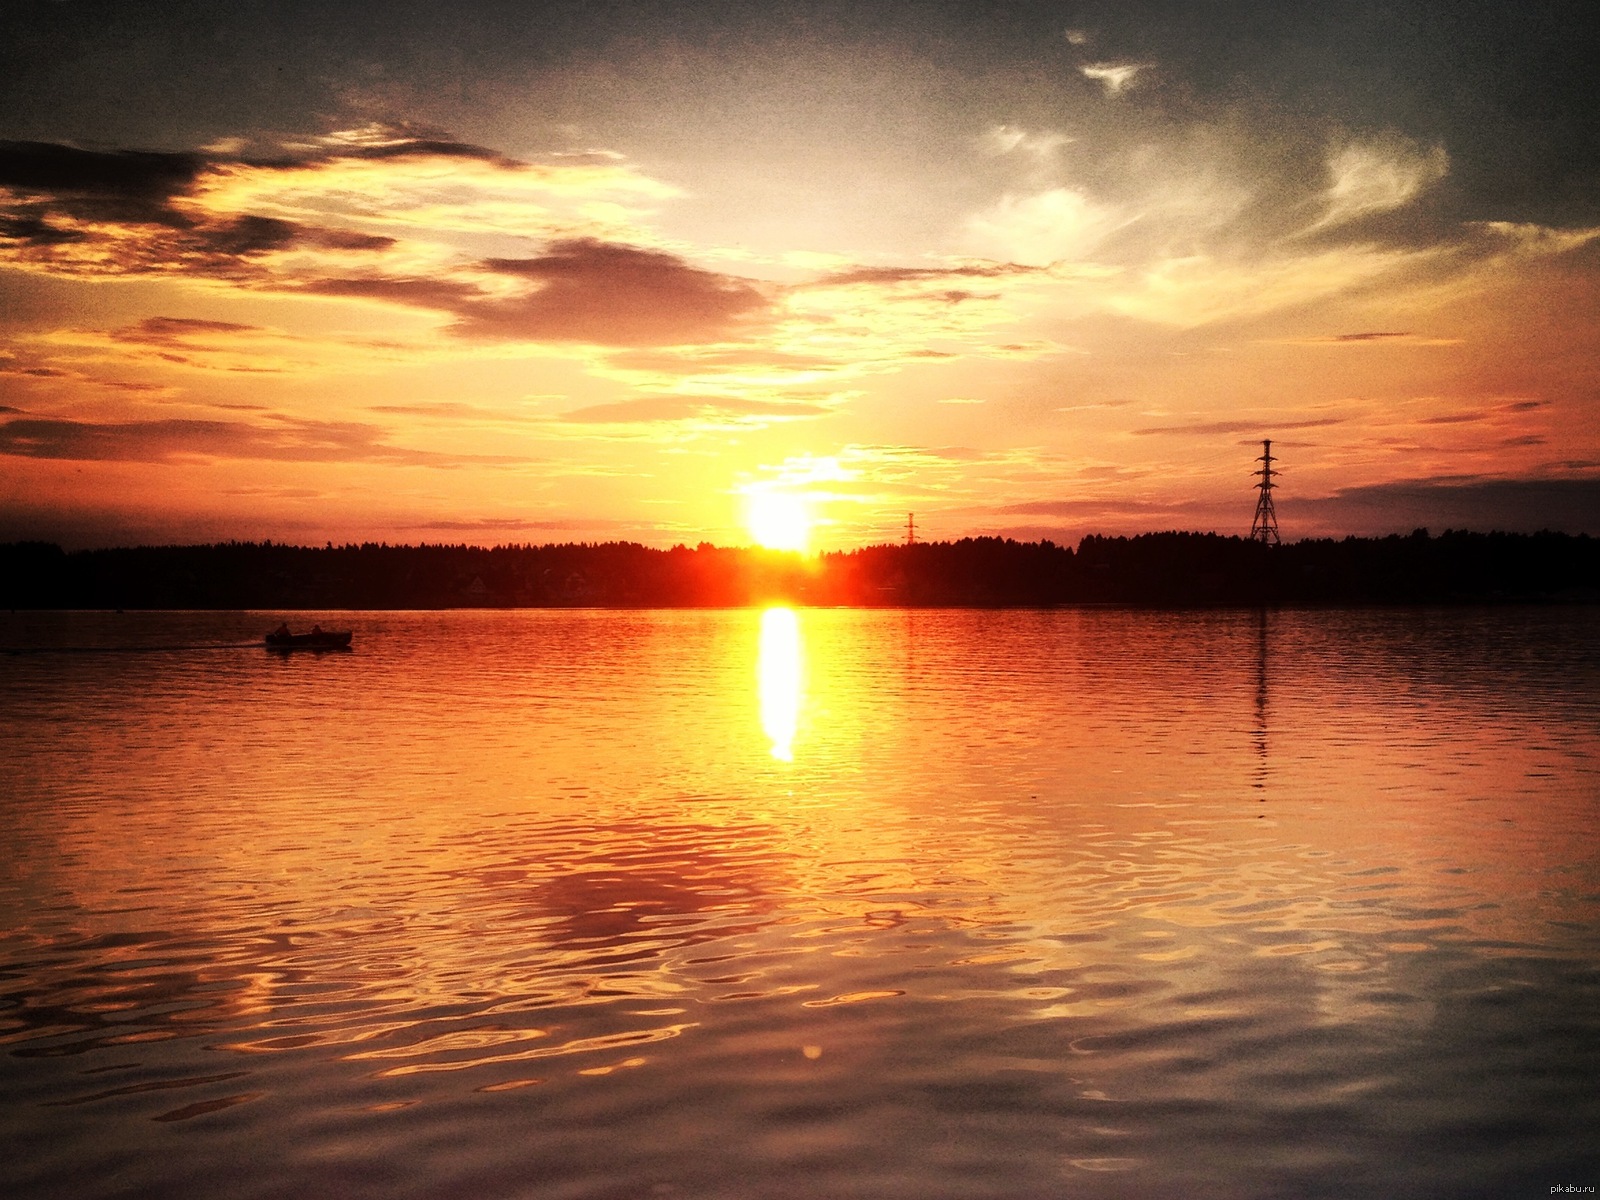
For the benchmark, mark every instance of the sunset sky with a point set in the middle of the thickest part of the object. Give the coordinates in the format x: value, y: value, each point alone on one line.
x: 520, y: 272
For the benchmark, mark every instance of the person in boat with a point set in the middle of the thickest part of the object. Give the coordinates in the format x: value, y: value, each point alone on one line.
x: 282, y: 631
x: 316, y: 631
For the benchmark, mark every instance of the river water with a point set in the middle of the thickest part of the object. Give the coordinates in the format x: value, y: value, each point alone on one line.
x: 822, y: 903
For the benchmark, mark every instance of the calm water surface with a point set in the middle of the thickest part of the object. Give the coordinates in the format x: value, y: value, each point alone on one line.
x: 815, y: 904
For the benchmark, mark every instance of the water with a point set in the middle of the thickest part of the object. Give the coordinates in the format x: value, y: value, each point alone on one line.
x: 823, y: 904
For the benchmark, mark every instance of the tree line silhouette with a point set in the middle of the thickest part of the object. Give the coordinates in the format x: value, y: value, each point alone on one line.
x: 1148, y: 569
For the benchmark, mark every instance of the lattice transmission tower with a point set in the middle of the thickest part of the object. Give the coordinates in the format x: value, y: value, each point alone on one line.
x: 1264, y: 528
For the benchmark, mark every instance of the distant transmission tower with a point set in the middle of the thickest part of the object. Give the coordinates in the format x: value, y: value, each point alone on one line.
x: 1264, y: 528
x: 911, y: 528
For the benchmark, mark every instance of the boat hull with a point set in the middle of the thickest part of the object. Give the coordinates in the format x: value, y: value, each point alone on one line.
x: 308, y: 641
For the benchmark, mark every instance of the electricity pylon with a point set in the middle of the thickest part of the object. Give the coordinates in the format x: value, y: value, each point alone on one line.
x: 1264, y: 528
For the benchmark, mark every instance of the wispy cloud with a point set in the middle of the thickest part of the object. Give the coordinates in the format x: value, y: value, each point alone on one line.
x: 1055, y: 225
x: 168, y: 440
x: 718, y: 409
x: 1376, y: 176
x: 1041, y: 145
x: 1265, y: 426
x: 1115, y: 77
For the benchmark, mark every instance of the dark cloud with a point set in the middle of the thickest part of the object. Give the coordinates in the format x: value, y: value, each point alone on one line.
x: 615, y: 295
x: 1368, y: 337
x: 62, y: 198
x: 165, y: 331
x: 1463, y: 418
x: 344, y: 239
x: 108, y: 243
x: 1568, y: 505
x: 686, y: 408
x: 121, y: 212
x: 121, y: 185
x: 177, y: 438
x: 247, y: 235
x: 1088, y: 506
x: 31, y: 229
x: 404, y: 144
x: 507, y: 524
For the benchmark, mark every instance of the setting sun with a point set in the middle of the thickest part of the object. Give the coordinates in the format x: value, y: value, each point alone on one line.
x: 778, y: 520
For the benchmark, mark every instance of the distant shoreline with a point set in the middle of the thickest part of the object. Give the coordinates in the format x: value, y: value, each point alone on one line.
x: 1156, y: 569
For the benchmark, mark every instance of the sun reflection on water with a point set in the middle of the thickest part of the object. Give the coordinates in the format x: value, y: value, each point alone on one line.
x: 780, y: 667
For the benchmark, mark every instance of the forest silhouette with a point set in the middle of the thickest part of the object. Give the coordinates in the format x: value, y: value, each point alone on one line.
x: 1168, y: 569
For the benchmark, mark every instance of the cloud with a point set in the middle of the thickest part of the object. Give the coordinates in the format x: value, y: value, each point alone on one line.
x: 1266, y: 425
x: 1461, y: 418
x: 512, y: 524
x: 1525, y: 238
x: 282, y: 216
x: 581, y: 290
x: 1368, y: 339
x: 174, y: 439
x: 167, y: 331
x: 892, y: 276
x: 1374, y: 177
x: 114, y: 185
x: 1087, y: 506
x: 379, y: 140
x: 444, y: 295
x: 1200, y: 289
x: 686, y: 408
x: 1520, y: 505
x: 125, y: 212
x: 585, y: 290
x: 12, y: 368
x: 446, y: 410
x: 720, y: 360
x: 1115, y: 77
x: 1012, y: 139
x: 1055, y: 225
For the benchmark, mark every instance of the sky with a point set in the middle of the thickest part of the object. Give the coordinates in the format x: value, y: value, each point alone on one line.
x: 511, y: 272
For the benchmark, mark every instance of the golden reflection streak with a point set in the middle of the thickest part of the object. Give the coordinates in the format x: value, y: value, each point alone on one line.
x: 780, y: 666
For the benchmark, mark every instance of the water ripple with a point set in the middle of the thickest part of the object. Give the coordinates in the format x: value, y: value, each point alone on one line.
x: 1091, y: 902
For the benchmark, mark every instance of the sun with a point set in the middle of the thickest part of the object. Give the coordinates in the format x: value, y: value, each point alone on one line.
x: 778, y: 520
